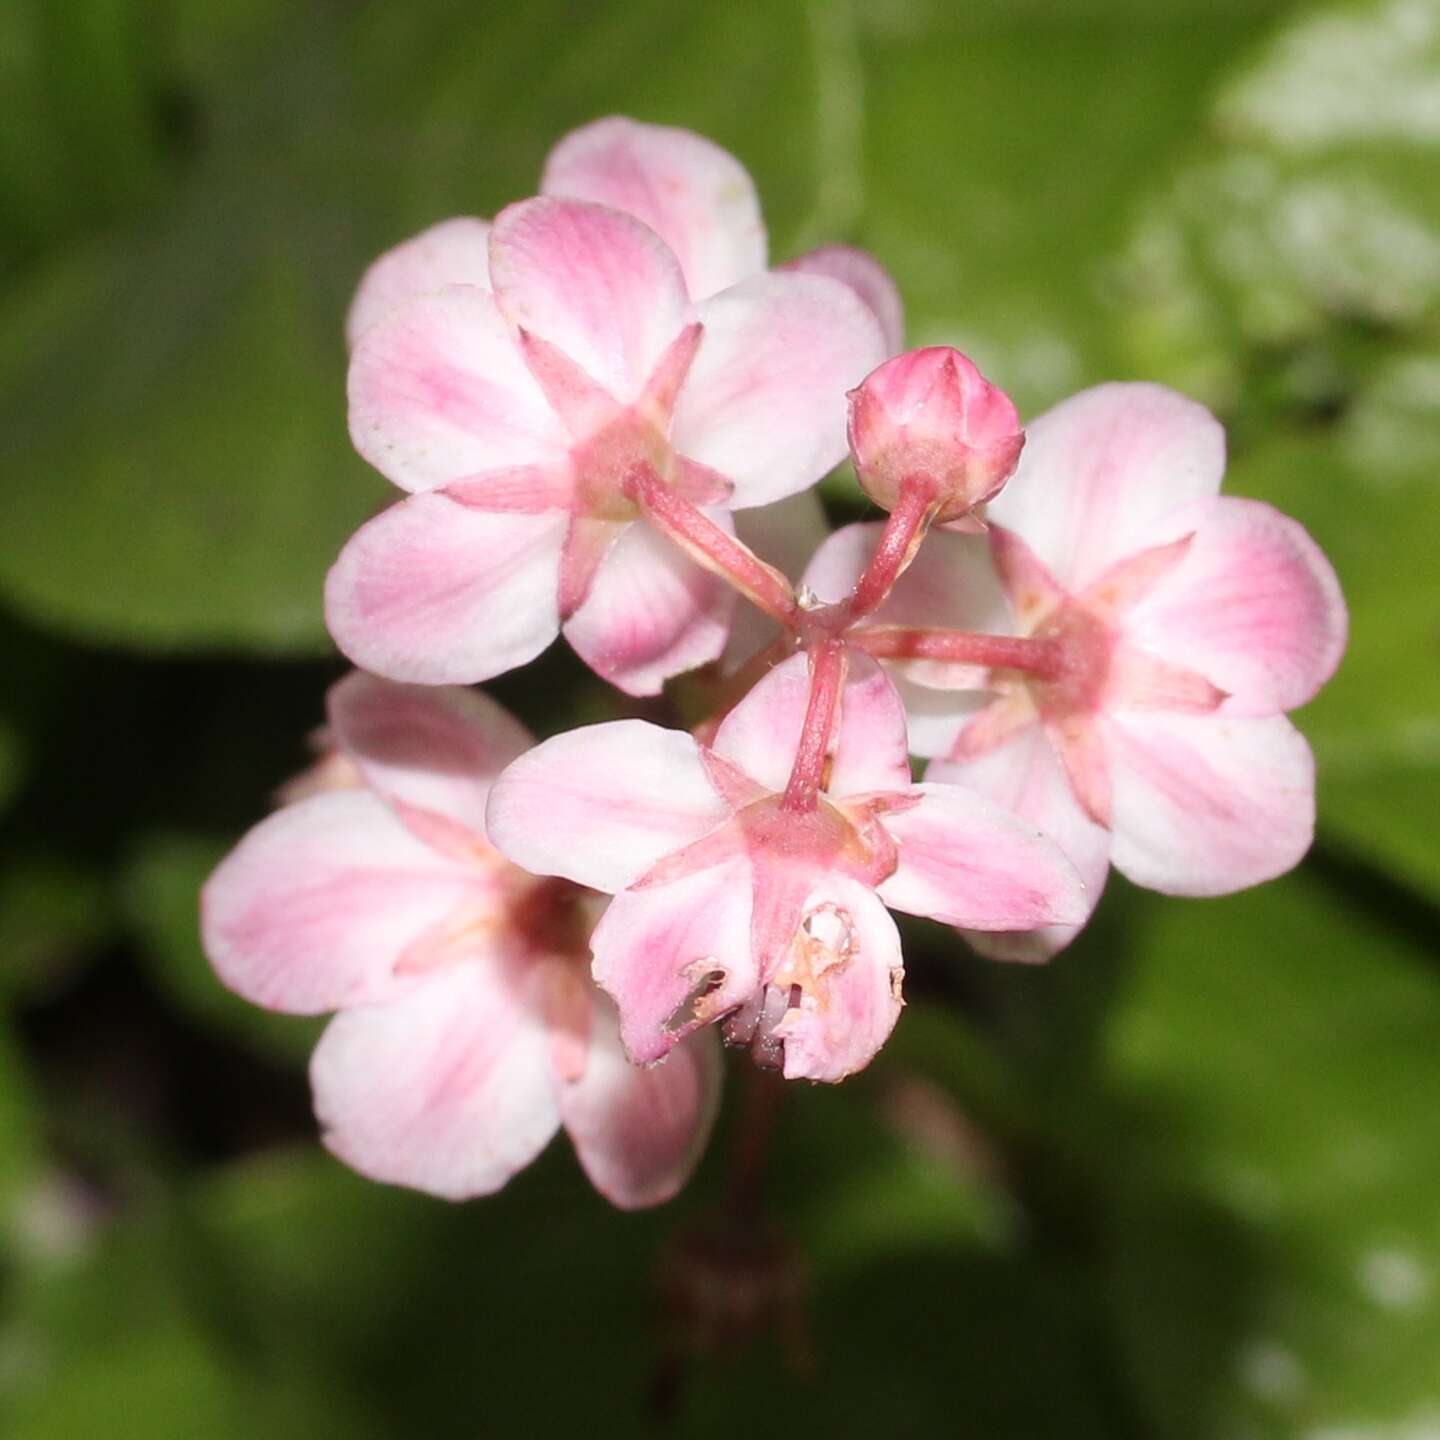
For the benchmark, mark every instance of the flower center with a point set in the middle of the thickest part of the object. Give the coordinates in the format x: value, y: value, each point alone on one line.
x: 825, y: 940
x: 1087, y: 644
x: 603, y: 460
x: 825, y: 838
x: 549, y: 917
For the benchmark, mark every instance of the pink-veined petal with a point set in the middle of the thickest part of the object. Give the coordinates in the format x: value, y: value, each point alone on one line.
x: 1254, y: 606
x: 438, y: 392
x: 848, y: 965
x: 562, y: 994
x: 988, y: 726
x: 760, y: 734
x: 639, y: 1131
x: 872, y: 750
x: 588, y: 540
x: 1103, y: 473
x: 1139, y: 680
x: 428, y: 747
x: 1129, y: 580
x: 695, y: 196
x: 447, y: 1090
x: 868, y: 278
x: 1208, y: 804
x: 1030, y: 590
x: 602, y: 804
x: 1025, y: 777
x: 595, y: 283
x: 316, y: 906
x: 674, y: 957
x: 778, y: 890
x: 764, y: 403
x: 454, y: 252
x: 581, y: 403
x: 439, y: 593
x: 1080, y: 740
x: 967, y: 862
x: 521, y: 490
x: 935, y: 718
x: 651, y: 612
x: 869, y: 753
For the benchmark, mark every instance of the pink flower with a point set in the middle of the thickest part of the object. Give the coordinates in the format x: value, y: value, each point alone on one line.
x: 731, y: 902
x: 1182, y: 625
x: 468, y: 1030
x: 930, y: 416
x: 515, y: 406
x: 695, y: 196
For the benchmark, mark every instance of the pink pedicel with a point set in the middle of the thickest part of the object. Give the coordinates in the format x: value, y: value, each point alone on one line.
x: 1186, y: 624
x: 745, y: 896
x: 931, y: 419
x: 510, y: 376
x: 468, y: 1029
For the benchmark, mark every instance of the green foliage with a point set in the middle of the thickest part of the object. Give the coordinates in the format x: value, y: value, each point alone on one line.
x: 1181, y: 1183
x: 11, y: 762
x: 1290, y: 275
x: 1275, y: 1230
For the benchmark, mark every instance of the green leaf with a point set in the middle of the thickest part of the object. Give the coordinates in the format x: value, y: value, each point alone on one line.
x: 165, y: 1383
x: 132, y: 1335
x: 80, y: 142
x: 1004, y: 148
x: 53, y: 912
x: 1369, y: 491
x: 1273, y: 1165
x: 1291, y: 276
x: 20, y: 1143
x: 453, y: 1316
x: 12, y: 762
x: 206, y: 491
x: 194, y: 494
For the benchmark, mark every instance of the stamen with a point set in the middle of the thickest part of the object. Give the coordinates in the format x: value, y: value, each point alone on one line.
x: 692, y: 1010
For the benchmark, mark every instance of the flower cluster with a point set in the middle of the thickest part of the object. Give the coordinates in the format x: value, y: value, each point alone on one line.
x: 594, y: 402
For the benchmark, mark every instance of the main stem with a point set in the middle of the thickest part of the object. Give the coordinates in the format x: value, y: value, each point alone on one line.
x: 707, y: 544
x: 827, y: 679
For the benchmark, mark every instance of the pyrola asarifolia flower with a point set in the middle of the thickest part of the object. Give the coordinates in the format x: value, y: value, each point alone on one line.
x: 695, y: 196
x: 930, y: 417
x: 1180, y: 625
x: 517, y: 406
x: 468, y: 1030
x: 732, y: 902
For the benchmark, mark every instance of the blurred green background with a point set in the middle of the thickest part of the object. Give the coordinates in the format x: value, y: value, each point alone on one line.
x: 1184, y: 1182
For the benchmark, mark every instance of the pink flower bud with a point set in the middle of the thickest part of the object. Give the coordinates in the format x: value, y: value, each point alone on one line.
x: 931, y: 413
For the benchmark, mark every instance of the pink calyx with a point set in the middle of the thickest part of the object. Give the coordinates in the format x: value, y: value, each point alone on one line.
x: 1083, y: 646
x: 611, y: 442
x: 1092, y: 669
x: 830, y: 836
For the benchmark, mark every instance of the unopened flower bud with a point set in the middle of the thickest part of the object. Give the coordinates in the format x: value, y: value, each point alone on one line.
x: 931, y: 414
